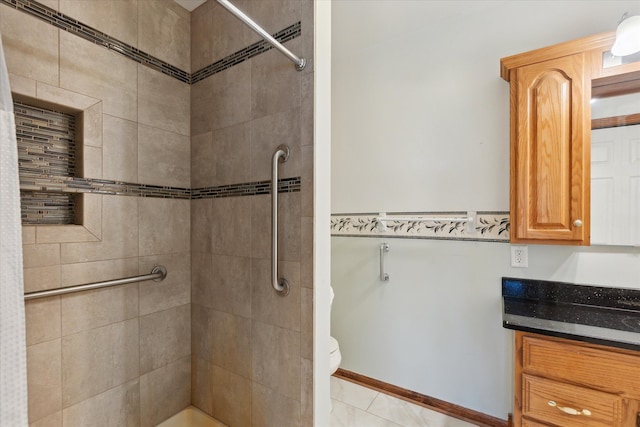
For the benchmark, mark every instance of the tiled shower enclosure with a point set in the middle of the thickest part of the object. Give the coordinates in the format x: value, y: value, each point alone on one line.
x: 177, y: 117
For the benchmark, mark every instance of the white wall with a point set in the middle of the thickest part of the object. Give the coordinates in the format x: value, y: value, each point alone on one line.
x: 420, y: 122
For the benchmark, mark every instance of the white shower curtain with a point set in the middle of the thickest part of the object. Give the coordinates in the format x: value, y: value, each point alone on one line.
x: 13, y: 359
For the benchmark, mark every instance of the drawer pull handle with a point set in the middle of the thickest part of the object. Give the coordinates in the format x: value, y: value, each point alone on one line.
x: 570, y: 411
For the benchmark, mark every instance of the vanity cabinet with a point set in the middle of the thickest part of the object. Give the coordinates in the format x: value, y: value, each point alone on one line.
x: 567, y: 383
x: 550, y: 174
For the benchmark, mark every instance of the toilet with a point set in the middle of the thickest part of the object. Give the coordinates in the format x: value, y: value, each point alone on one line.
x: 334, y: 349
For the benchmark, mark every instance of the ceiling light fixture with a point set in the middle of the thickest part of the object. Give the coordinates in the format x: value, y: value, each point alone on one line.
x: 627, y: 36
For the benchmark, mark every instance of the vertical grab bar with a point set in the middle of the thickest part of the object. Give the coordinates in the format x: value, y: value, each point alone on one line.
x: 384, y: 247
x: 279, y: 284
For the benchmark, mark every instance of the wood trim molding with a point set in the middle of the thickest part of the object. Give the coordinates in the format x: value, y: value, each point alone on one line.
x: 611, y: 122
x: 597, y: 41
x: 450, y: 409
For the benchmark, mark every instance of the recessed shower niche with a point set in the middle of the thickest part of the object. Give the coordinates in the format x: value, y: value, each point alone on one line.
x: 59, y: 138
x: 47, y: 146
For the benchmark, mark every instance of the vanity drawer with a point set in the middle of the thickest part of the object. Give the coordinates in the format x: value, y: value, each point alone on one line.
x: 615, y: 372
x: 550, y: 401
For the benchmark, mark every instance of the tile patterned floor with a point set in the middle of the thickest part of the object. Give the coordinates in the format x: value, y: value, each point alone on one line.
x: 357, y: 406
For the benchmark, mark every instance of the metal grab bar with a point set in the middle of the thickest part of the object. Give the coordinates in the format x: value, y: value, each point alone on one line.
x: 300, y: 62
x: 158, y: 274
x: 279, y: 284
x: 384, y: 247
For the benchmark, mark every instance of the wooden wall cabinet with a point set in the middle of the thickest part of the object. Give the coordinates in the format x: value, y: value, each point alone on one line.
x: 569, y: 383
x: 551, y: 138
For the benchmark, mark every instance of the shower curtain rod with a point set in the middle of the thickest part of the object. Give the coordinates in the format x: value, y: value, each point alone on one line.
x: 300, y: 62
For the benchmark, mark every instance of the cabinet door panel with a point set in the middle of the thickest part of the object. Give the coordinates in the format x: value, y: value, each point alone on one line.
x: 551, y: 200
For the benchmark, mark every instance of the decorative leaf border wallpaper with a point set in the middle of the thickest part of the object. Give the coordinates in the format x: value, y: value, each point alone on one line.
x: 489, y: 226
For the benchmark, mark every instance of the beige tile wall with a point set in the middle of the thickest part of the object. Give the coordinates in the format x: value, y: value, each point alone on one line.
x: 119, y: 356
x: 251, y: 349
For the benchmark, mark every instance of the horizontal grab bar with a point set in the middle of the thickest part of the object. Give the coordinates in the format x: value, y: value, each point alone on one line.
x: 158, y: 274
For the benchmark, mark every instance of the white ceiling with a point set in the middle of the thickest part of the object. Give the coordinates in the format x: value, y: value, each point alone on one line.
x: 190, y: 5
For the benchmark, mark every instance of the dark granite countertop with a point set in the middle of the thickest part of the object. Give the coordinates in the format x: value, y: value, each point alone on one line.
x: 601, y: 315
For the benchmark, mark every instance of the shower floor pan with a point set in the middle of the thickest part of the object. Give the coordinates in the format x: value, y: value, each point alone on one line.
x: 191, y: 417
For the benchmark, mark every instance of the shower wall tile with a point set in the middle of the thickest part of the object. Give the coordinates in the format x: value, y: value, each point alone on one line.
x: 231, y: 233
x: 202, y: 98
x: 307, y: 43
x: 68, y: 233
x: 306, y: 392
x: 163, y: 102
x: 30, y: 46
x: 306, y: 109
x: 276, y: 359
x: 44, y: 379
x: 231, y: 155
x: 96, y: 271
x: 164, y: 226
x: 165, y: 337
x: 202, y: 277
x: 28, y: 235
x: 201, y: 36
x: 231, y: 343
x: 97, y: 72
x: 19, y: 84
x: 201, y: 220
x: 306, y: 182
x: 55, y: 95
x: 117, y: 407
x: 113, y: 348
x: 201, y: 331
x: 230, y: 97
x: 202, y: 160
x: 202, y: 384
x: 274, y: 15
x: 53, y: 420
x: 41, y: 255
x: 226, y: 36
x: 42, y: 278
x: 91, y: 120
x: 269, y: 307
x: 275, y: 83
x: 118, y: 18
x: 92, y: 309
x: 269, y: 408
x: 267, y: 133
x: 164, y: 32
x: 173, y: 291
x: 306, y: 323
x: 288, y: 226
x: 42, y: 320
x: 165, y: 392
x: 92, y: 162
x: 120, y: 149
x: 231, y: 397
x: 119, y: 234
x: 230, y: 282
x: 163, y: 158
x: 306, y: 252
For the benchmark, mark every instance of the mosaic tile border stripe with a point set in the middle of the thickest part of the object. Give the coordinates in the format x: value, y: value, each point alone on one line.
x: 88, y: 33
x: 285, y: 185
x: 62, y: 184
x: 66, y: 23
x: 247, y: 53
x: 490, y: 226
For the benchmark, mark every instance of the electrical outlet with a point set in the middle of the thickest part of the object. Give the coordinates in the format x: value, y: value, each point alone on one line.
x: 519, y: 256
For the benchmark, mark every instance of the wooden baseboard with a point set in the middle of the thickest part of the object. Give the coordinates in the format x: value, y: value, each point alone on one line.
x: 462, y: 413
